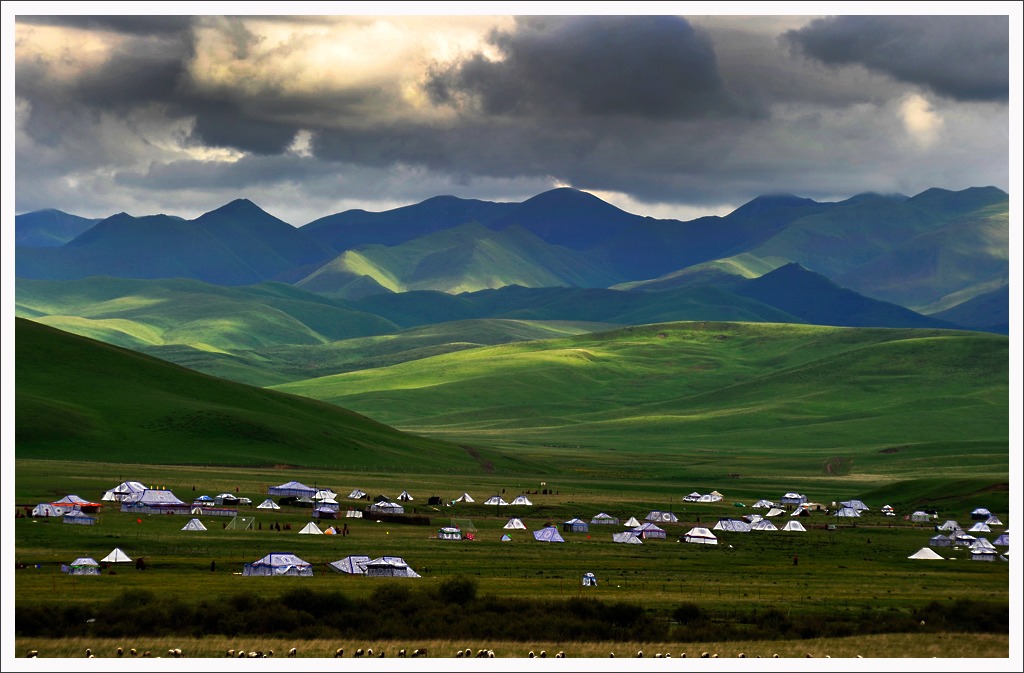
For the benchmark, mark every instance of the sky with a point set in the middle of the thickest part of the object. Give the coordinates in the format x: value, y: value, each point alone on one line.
x: 662, y: 113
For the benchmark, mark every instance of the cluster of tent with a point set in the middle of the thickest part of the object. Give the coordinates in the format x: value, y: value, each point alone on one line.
x: 86, y: 565
x: 713, y: 496
x: 385, y: 566
x: 980, y: 548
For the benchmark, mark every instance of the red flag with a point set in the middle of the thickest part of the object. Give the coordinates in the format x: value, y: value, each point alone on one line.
x: 138, y: 521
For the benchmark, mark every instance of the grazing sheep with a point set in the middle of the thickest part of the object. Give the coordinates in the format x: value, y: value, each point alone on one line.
x: 639, y: 654
x: 419, y: 653
x: 611, y: 656
x: 668, y: 655
x: 32, y: 654
x: 170, y: 653
x: 467, y: 652
x: 481, y: 654
x: 704, y: 655
x: 340, y: 652
x: 381, y: 655
x: 369, y: 651
x: 543, y: 654
x: 775, y: 656
x: 270, y: 653
x: 120, y: 652
x: 741, y: 655
x: 241, y: 654
x: 683, y: 655
x: 808, y: 656
x: 659, y: 655
x: 358, y: 653
x: 560, y: 655
x: 253, y: 655
x: 292, y: 652
x: 146, y: 654
x: 859, y: 656
x: 401, y: 652
x: 490, y: 654
x: 134, y: 652
x: 458, y: 655
x: 88, y: 652
x: 531, y: 654
x: 715, y: 655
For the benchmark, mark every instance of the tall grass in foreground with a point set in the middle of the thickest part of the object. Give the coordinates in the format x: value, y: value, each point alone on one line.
x: 897, y: 645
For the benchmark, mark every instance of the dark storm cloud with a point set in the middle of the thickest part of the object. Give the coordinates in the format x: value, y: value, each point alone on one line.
x: 221, y: 124
x: 648, y: 66
x: 962, y: 57
x: 128, y: 24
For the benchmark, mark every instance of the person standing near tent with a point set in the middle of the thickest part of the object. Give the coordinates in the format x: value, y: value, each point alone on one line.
x: 344, y: 530
x: 213, y: 566
x: 795, y: 560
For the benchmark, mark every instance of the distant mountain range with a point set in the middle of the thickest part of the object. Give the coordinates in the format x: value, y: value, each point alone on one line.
x: 777, y: 257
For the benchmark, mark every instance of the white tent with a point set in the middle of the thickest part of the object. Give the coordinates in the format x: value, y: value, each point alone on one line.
x: 78, y: 517
x: 847, y: 512
x: 350, y: 565
x: 387, y: 508
x: 389, y: 566
x: 632, y: 522
x: 547, y: 534
x: 404, y: 496
x: 116, y: 556
x: 700, y: 535
x: 794, y: 525
x: 980, y: 513
x: 292, y: 488
x: 1003, y: 540
x: 920, y: 516
x: 495, y: 500
x: 325, y: 494
x: 357, y: 494
x: 993, y: 521
x: 693, y: 497
x: 733, y: 525
x: 278, y: 564
x: 981, y: 543
x: 649, y: 530
x: 775, y: 511
x: 855, y: 504
x: 47, y: 509
x: 627, y: 537
x: 506, y: 538
x: 449, y: 533
x: 762, y: 504
x: 311, y: 529
x: 979, y: 527
x: 268, y: 504
x: 465, y: 497
x: 603, y: 518
x: 658, y: 515
x: 194, y: 524
x: 983, y: 554
x: 763, y: 524
x: 123, y: 490
x: 925, y: 553
x: 354, y: 514
x: 950, y: 525
x: 515, y: 524
x: 940, y: 540
x: 521, y: 500
x: 82, y: 566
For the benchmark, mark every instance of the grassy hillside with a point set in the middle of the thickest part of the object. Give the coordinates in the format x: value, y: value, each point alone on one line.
x: 712, y: 399
x: 78, y: 397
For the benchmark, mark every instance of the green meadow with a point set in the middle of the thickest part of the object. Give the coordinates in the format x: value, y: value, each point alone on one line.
x: 623, y: 422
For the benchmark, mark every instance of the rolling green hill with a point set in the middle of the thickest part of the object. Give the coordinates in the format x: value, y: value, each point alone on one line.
x: 82, y: 399
x: 722, y: 398
x: 465, y: 258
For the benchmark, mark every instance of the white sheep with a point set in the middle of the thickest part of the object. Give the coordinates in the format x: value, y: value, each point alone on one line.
x: 292, y: 652
x: 340, y: 652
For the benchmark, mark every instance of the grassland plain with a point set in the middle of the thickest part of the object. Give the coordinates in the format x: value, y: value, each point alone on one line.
x: 846, y: 578
x: 856, y: 572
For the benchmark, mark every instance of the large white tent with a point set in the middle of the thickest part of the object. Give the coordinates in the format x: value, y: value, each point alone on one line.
x: 495, y: 500
x: 521, y: 500
x: 762, y: 503
x: 659, y: 515
x: 194, y: 524
x: 292, y: 488
x: 763, y: 524
x: 515, y: 524
x: 268, y: 504
x: 979, y: 527
x: 357, y: 494
x: 82, y: 566
x: 124, y: 490
x: 604, y: 518
x: 311, y: 529
x: 278, y: 564
x: 649, y: 531
x: 350, y: 565
x: 405, y: 497
x: 116, y: 556
x: 465, y: 497
x: 699, y: 535
x: 548, y: 534
x: 631, y: 522
x: 627, y: 537
x: 794, y: 525
x: 925, y: 553
x: 389, y: 566
x: 733, y: 525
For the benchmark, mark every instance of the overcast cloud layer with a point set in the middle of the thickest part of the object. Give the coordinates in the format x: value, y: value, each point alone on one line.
x: 671, y: 116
